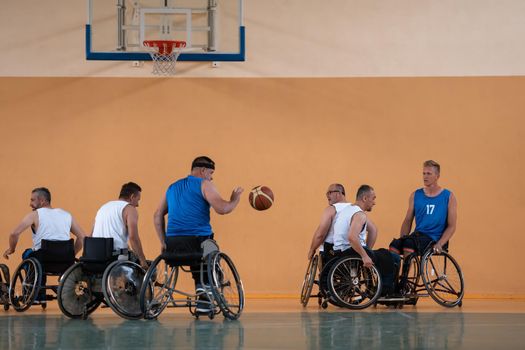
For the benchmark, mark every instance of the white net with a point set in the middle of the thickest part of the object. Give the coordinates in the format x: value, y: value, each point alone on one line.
x: 164, y: 64
x: 164, y: 55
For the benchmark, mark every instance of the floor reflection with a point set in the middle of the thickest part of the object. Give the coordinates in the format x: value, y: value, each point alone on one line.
x: 298, y: 330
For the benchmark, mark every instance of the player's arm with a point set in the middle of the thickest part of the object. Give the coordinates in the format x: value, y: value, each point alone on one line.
x: 451, y: 223
x: 160, y: 224
x: 356, y: 225
x: 371, y: 237
x: 26, y: 222
x: 322, y: 230
x: 131, y: 218
x: 220, y: 205
x: 79, y: 234
x: 406, y: 226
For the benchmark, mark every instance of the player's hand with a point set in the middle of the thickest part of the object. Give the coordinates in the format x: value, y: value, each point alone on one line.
x: 8, y: 252
x: 311, y: 254
x: 367, y: 262
x: 438, y: 248
x: 162, y: 247
x: 236, y: 194
x: 144, y: 264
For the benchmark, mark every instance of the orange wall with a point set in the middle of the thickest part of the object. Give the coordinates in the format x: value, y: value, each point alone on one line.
x: 84, y: 137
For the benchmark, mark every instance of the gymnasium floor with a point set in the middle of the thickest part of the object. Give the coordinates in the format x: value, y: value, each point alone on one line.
x: 278, y: 324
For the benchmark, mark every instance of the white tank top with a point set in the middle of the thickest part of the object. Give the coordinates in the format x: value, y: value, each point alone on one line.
x: 53, y: 225
x: 342, y: 225
x: 109, y: 223
x: 330, y: 235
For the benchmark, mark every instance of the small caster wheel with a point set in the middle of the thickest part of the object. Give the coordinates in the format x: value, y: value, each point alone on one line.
x: 211, y: 315
x: 319, y: 301
x: 460, y: 304
x: 6, y: 307
x: 324, y: 304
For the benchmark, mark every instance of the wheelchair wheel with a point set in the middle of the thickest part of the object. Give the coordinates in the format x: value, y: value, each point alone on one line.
x: 409, y: 280
x: 443, y: 278
x: 309, y: 279
x: 157, y: 288
x: 74, y: 295
x: 121, y: 286
x: 25, y: 284
x: 352, y: 285
x: 226, y: 285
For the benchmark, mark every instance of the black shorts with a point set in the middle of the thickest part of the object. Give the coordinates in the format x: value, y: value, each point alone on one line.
x: 415, y: 242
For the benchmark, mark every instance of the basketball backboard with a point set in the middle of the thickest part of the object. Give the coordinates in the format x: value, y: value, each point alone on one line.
x: 213, y: 29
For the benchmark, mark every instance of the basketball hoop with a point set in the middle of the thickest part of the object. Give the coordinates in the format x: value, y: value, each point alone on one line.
x: 164, y: 54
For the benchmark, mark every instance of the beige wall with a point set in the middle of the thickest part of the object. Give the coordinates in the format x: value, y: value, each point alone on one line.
x: 298, y: 38
x: 84, y: 137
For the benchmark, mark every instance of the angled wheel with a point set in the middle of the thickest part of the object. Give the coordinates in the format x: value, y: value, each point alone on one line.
x: 25, y: 284
x: 352, y: 285
x: 226, y: 285
x: 443, y: 278
x: 75, y: 296
x: 309, y: 279
x: 157, y: 288
x: 121, y: 286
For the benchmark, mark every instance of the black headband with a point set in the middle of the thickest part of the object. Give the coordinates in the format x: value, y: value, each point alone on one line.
x: 203, y: 165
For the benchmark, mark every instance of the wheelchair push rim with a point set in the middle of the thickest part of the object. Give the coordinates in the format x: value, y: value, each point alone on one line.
x: 157, y: 288
x: 309, y: 279
x: 352, y: 285
x: 25, y: 284
x: 443, y: 278
x: 226, y: 285
x: 121, y: 285
x: 75, y: 297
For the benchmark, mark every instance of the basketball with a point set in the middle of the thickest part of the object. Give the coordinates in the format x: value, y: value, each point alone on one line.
x: 261, y: 198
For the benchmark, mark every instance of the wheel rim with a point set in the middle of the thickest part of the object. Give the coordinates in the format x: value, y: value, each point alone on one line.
x: 443, y: 278
x: 74, y: 293
x: 123, y: 282
x: 25, y: 285
x: 353, y: 285
x: 157, y: 292
x: 412, y: 278
x: 226, y: 285
x: 309, y: 278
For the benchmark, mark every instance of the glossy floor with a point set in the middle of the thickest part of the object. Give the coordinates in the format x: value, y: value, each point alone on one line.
x: 277, y: 324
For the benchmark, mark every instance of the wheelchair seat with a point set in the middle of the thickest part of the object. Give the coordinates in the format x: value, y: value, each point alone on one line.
x: 98, y: 254
x: 56, y: 256
x: 183, y: 250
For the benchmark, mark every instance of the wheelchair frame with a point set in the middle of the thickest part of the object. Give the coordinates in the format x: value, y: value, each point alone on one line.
x: 159, y: 293
x: 85, y: 286
x: 4, y: 286
x: 356, y: 290
x: 426, y: 275
x: 26, y: 282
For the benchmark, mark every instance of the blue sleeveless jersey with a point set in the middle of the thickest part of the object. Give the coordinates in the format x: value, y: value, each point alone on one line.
x: 188, y: 211
x: 431, y: 213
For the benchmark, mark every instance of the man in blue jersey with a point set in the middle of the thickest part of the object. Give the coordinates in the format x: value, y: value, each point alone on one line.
x: 187, y: 203
x: 435, y: 211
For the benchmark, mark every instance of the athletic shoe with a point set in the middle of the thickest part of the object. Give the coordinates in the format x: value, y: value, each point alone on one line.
x: 203, y: 302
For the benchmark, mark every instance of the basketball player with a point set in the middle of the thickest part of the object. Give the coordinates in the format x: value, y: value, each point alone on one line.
x: 350, y: 231
x: 435, y: 211
x: 187, y: 203
x: 118, y: 220
x: 324, y: 234
x: 46, y: 222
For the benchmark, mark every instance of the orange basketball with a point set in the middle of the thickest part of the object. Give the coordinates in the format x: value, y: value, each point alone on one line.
x: 261, y: 198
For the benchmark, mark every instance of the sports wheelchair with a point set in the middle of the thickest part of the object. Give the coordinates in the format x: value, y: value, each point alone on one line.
x: 4, y: 286
x: 437, y: 275
x: 222, y: 289
x: 101, y: 276
x: 52, y: 259
x: 343, y: 281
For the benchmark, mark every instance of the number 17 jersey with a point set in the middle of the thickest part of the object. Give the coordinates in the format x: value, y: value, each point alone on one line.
x: 431, y: 213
